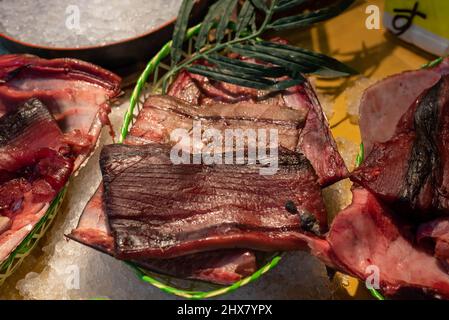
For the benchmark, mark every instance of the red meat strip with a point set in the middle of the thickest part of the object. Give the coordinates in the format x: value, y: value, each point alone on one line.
x: 161, y: 115
x: 366, y: 234
x: 38, y: 153
x: 411, y: 170
x: 438, y: 232
x: 34, y: 165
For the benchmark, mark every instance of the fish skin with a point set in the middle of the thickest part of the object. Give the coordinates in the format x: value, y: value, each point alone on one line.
x: 411, y: 170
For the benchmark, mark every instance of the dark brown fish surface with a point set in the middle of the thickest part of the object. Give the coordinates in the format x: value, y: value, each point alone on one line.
x: 159, y: 210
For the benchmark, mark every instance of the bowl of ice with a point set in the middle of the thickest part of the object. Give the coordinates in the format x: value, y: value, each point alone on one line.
x: 111, y: 33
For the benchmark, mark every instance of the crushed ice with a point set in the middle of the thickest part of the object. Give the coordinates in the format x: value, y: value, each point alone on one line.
x: 78, y: 23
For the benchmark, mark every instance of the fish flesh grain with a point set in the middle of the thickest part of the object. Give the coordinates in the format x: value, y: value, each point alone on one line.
x: 315, y: 139
x: 411, y: 169
x: 436, y: 234
x: 51, y: 114
x: 384, y: 103
x: 162, y: 115
x: 220, y: 266
x: 31, y: 148
x: 35, y: 163
x: 159, y: 210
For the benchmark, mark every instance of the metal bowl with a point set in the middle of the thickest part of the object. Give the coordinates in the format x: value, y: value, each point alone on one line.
x: 115, y: 55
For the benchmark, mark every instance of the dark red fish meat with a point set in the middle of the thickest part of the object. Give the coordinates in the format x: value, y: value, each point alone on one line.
x: 35, y: 164
x: 159, y: 210
x: 367, y: 238
x: 162, y: 115
x: 437, y: 233
x: 52, y: 113
x: 411, y: 170
x: 77, y: 94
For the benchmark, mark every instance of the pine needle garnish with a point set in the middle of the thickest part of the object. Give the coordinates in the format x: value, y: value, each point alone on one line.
x: 278, y: 66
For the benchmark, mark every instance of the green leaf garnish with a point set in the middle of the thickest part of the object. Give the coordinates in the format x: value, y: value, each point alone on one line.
x: 179, y: 32
x: 287, y: 4
x: 309, y: 18
x: 360, y: 156
x: 260, y: 4
x: 278, y: 66
x: 229, y: 6
x: 325, y: 66
x: 245, y: 17
x: 249, y: 81
x: 252, y: 69
x: 252, y: 51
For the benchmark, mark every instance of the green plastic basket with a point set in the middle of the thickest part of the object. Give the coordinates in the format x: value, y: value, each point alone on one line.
x: 15, y: 259
x: 189, y: 289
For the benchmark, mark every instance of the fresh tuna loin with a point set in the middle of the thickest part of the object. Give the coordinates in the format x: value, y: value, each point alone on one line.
x: 159, y: 210
x: 77, y: 94
x: 51, y: 115
x: 35, y: 163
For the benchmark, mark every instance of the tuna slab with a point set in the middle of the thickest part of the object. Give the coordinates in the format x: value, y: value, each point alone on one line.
x: 52, y: 113
x: 159, y: 210
x: 35, y: 163
x: 366, y: 237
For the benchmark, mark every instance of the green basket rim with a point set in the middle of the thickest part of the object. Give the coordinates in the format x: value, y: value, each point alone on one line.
x: 142, y: 80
